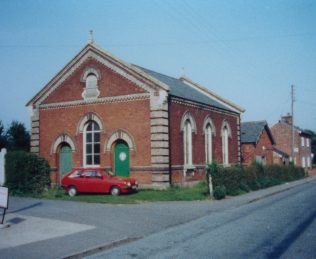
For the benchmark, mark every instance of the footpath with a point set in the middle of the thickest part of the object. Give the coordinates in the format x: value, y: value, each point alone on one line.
x: 60, y: 229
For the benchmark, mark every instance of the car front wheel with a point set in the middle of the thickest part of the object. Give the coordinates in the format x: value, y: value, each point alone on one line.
x: 72, y: 191
x: 115, y: 191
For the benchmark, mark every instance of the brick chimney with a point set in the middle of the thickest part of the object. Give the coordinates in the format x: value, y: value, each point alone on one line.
x: 287, y: 119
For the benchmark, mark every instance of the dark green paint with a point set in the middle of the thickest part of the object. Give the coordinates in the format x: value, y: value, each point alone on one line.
x: 121, y: 159
x: 65, y: 160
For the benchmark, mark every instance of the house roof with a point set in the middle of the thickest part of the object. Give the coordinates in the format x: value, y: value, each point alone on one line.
x: 252, y: 130
x: 183, y: 87
x: 186, y: 89
x: 280, y: 152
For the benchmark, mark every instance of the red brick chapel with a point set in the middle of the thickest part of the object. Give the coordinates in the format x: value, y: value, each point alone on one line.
x: 100, y: 111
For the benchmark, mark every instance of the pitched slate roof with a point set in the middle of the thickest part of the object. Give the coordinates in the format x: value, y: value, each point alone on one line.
x: 183, y: 90
x: 252, y: 130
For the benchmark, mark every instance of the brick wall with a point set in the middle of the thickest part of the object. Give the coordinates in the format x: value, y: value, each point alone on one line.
x: 282, y: 134
x: 130, y: 116
x: 177, y: 110
x: 283, y: 137
x: 263, y: 148
x: 110, y: 84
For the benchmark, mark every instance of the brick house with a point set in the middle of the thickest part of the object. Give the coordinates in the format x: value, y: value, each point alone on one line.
x: 280, y: 157
x: 282, y: 132
x: 100, y: 111
x: 256, y: 143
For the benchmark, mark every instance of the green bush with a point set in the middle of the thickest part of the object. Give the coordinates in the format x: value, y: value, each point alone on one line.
x: 219, y: 192
x: 238, y: 179
x: 26, y: 173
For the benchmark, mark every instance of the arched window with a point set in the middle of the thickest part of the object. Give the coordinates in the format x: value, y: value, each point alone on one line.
x: 225, y: 148
x: 209, y: 132
x: 208, y: 144
x: 91, y: 82
x: 90, y: 78
x: 187, y: 139
x: 91, y: 144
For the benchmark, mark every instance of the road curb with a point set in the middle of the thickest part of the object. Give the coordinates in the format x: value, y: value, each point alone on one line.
x: 100, y: 248
x: 284, y: 188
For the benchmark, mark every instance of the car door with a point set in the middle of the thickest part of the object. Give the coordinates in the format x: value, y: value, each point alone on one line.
x: 93, y: 181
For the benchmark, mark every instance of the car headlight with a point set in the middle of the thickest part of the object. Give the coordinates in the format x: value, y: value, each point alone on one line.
x: 127, y: 183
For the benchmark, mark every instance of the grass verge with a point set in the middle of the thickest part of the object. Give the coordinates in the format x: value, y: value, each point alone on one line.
x: 174, y: 193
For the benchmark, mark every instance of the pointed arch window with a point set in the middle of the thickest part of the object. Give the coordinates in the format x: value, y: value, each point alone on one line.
x: 225, y: 134
x: 91, y: 144
x: 225, y: 145
x: 208, y: 144
x: 187, y: 133
x: 209, y: 132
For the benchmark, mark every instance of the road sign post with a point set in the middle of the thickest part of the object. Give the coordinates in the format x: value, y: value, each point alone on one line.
x: 4, y: 198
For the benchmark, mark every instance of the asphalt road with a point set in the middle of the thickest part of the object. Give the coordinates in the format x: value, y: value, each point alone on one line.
x: 270, y: 223
x: 278, y: 226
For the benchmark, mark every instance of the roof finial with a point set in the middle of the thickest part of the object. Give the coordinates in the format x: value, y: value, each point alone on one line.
x: 91, y: 39
x: 183, y: 72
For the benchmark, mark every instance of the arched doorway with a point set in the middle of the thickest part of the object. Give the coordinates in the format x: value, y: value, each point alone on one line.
x: 65, y: 159
x: 121, y: 159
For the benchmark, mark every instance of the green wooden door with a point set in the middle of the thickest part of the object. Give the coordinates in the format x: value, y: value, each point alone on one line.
x: 121, y: 160
x: 65, y: 160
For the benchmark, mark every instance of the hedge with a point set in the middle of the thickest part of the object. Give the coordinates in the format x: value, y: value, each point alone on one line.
x: 238, y: 179
x: 26, y: 173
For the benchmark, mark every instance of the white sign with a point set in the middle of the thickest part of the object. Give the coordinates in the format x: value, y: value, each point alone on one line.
x: 4, y: 197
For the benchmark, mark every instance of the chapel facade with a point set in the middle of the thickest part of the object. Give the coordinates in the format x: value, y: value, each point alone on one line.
x: 100, y: 111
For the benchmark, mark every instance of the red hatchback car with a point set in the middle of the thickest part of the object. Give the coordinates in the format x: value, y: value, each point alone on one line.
x: 95, y: 180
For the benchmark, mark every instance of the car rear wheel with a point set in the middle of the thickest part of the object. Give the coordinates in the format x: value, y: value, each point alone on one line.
x: 115, y: 191
x: 72, y: 191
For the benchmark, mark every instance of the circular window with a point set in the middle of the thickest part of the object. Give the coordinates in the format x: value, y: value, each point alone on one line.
x: 122, y: 156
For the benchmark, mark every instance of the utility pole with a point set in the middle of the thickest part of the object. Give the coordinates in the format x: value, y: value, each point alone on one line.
x: 292, y: 111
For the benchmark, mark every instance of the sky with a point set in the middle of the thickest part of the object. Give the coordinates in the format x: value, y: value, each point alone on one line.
x: 250, y: 52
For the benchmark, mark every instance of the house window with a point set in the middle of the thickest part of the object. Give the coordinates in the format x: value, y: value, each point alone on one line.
x: 308, y: 161
x: 303, y: 162
x: 91, y: 144
x: 307, y: 142
x: 208, y: 143
x: 261, y: 160
x: 187, y: 139
x: 302, y: 141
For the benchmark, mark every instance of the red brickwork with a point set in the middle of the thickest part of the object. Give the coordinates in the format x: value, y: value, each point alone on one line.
x: 282, y: 133
x: 110, y: 84
x: 264, y: 149
x: 128, y: 116
x: 199, y: 114
x: 283, y: 137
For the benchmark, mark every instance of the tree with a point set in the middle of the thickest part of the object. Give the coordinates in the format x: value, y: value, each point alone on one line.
x: 18, y: 137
